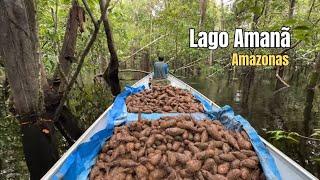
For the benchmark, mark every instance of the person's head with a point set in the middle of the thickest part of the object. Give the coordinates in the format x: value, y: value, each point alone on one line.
x: 160, y: 58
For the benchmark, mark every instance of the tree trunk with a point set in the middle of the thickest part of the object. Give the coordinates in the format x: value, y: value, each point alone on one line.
x: 279, y: 84
x: 266, y: 12
x: 134, y: 61
x: 67, y: 122
x: 145, y: 63
x: 67, y: 54
x: 103, y: 63
x: 246, y: 86
x: 203, y: 10
x: 291, y: 8
x: 211, y: 58
x: 20, y: 51
x: 312, y: 83
x: 307, y: 112
x: 249, y: 72
x: 133, y: 58
x: 256, y: 17
x: 111, y: 73
x: 222, y: 16
x: 266, y: 8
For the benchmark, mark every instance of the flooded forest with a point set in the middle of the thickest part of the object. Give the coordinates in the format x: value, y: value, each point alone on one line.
x: 63, y: 62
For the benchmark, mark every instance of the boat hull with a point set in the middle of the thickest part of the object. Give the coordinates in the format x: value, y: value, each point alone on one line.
x: 288, y: 168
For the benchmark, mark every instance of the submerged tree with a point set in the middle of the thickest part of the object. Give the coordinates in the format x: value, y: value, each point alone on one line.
x: 111, y: 73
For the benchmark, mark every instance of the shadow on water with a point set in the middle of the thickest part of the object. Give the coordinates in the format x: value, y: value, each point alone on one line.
x: 289, y: 110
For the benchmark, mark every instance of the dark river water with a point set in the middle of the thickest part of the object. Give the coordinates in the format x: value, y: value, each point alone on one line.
x: 266, y: 111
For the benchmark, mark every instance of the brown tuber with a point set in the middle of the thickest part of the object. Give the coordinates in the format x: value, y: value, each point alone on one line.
x: 163, y: 99
x: 174, y: 131
x: 141, y: 172
x: 176, y: 148
x: 193, y: 166
x: 234, y: 174
x: 223, y: 168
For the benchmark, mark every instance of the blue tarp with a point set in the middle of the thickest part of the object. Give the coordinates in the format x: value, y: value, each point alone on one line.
x: 237, y: 123
x: 79, y: 163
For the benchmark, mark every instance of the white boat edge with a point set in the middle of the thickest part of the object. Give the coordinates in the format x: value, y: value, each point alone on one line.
x: 288, y: 168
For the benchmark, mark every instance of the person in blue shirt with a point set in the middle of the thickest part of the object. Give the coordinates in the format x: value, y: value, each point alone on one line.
x: 160, y: 69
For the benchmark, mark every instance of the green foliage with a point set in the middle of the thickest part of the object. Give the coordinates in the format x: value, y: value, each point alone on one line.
x: 284, y: 140
x: 137, y: 23
x: 317, y: 160
x: 279, y: 135
x: 89, y: 102
x: 316, y: 133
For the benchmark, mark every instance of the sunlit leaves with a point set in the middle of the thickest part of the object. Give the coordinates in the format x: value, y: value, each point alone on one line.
x: 282, y: 135
x: 137, y: 23
x: 316, y: 133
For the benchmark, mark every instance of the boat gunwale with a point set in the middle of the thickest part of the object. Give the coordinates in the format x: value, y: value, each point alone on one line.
x: 58, y: 164
x: 80, y: 140
x: 267, y: 144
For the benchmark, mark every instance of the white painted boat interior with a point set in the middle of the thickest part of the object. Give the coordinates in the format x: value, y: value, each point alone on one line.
x: 288, y: 168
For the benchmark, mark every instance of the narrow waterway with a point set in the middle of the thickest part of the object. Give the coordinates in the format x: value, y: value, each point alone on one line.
x: 266, y: 111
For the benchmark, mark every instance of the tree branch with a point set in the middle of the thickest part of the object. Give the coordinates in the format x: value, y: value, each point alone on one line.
x: 310, y: 10
x: 188, y: 65
x: 54, y: 14
x: 292, y: 47
x: 126, y: 70
x: 217, y: 71
x: 62, y: 74
x: 114, y: 5
x: 133, y: 70
x: 280, y: 79
x: 152, y: 42
x: 93, y: 19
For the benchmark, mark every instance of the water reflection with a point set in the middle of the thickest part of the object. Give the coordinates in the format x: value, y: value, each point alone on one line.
x: 237, y: 97
x: 267, y: 110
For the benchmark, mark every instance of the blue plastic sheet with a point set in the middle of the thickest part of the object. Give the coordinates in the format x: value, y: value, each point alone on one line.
x: 237, y: 123
x: 79, y: 163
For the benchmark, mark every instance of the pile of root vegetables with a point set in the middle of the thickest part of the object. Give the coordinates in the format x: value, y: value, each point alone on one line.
x: 163, y: 99
x: 177, y: 148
